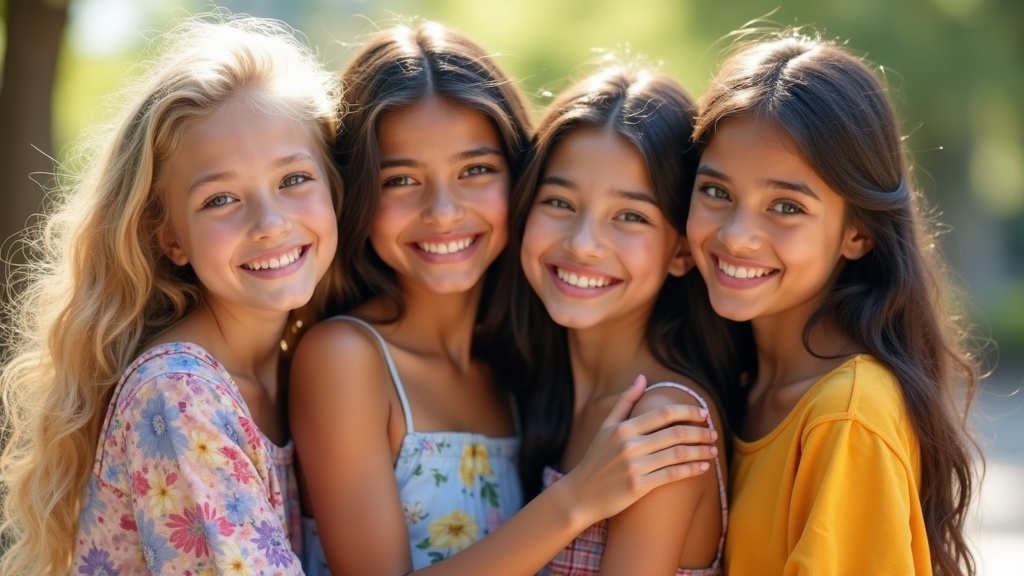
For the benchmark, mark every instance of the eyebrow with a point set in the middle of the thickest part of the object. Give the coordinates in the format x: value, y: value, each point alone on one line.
x: 458, y: 157
x: 625, y: 194
x: 772, y: 183
x: 228, y: 174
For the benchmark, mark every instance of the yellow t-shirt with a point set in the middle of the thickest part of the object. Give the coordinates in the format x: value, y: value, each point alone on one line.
x: 834, y: 488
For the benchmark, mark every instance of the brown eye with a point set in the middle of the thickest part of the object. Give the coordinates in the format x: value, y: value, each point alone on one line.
x: 399, y: 181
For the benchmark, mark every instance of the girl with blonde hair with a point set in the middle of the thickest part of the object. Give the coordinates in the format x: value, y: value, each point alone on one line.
x: 141, y: 389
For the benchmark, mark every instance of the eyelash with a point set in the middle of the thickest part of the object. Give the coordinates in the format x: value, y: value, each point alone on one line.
x: 708, y: 189
x: 639, y: 218
x: 477, y: 170
x: 287, y: 182
x: 557, y: 203
x: 212, y: 202
x: 797, y: 209
x: 305, y: 177
x: 398, y: 181
x: 779, y: 207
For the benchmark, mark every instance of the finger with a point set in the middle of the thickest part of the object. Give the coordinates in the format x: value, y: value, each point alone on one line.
x: 661, y: 417
x: 674, y: 473
x: 648, y: 462
x: 628, y: 399
x: 680, y: 435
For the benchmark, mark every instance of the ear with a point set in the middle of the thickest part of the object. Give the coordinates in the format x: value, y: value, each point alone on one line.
x: 856, y: 242
x: 170, y: 246
x: 682, y: 258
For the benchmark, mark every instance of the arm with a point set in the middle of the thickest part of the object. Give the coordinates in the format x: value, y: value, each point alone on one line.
x: 199, y: 481
x: 621, y: 466
x: 650, y: 536
x: 339, y: 408
x: 853, y: 505
x: 625, y: 461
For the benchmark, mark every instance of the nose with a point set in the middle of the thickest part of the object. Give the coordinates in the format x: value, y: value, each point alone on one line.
x: 739, y: 231
x: 441, y: 205
x: 269, y: 218
x: 583, y: 238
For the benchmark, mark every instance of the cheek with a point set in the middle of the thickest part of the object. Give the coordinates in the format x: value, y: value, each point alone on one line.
x: 389, y: 221
x: 697, y: 224
x: 537, y: 236
x: 494, y: 206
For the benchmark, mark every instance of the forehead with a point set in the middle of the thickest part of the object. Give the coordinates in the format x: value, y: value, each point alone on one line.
x: 238, y: 139
x: 600, y: 155
x: 434, y: 123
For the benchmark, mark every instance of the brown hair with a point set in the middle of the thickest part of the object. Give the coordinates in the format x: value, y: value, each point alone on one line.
x: 655, y: 115
x: 891, y: 301
x: 399, y: 67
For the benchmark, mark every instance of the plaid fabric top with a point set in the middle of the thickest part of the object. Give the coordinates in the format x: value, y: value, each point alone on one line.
x: 582, y: 557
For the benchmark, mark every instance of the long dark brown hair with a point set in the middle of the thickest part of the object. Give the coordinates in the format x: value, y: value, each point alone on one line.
x: 396, y: 68
x: 655, y: 114
x: 891, y: 302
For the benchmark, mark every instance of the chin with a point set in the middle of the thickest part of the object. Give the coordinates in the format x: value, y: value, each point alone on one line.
x: 572, y: 321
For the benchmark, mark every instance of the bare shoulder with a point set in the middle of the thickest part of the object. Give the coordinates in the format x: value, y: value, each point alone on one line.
x: 665, y: 391
x: 338, y: 351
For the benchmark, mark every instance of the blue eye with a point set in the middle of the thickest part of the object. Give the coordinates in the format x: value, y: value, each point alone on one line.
x: 294, y: 180
x: 218, y: 201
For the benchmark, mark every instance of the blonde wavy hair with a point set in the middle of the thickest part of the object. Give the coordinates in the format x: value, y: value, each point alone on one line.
x: 98, y: 287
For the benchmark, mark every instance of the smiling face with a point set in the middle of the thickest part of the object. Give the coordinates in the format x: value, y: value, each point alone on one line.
x: 250, y: 208
x: 767, y: 233
x: 444, y: 195
x: 597, y: 247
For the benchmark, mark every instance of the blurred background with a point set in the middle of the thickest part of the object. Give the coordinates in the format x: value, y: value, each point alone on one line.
x: 955, y: 67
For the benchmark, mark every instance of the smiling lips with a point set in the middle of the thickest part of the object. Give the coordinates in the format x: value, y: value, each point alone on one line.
x: 744, y: 272
x: 582, y: 281
x: 444, y: 248
x: 275, y: 263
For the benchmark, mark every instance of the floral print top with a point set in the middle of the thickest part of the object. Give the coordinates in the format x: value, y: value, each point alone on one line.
x: 455, y: 487
x: 184, y: 482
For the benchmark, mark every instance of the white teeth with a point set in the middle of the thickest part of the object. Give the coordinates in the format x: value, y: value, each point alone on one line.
x: 742, y: 272
x: 446, y: 248
x: 275, y: 263
x: 579, y: 281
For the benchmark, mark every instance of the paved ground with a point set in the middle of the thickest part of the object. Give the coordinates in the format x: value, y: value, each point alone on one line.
x: 997, y: 526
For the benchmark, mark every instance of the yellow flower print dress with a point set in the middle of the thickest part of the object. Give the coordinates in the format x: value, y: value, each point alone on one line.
x: 456, y: 487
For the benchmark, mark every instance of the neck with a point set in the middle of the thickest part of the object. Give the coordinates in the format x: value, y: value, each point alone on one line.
x: 247, y: 342
x: 437, y: 324
x: 782, y: 356
x: 606, y: 359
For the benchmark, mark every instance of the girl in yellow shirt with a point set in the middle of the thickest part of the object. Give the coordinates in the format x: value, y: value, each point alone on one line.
x: 853, y: 458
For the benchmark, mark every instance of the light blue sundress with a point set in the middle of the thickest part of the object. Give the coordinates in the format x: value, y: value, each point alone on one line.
x: 455, y: 487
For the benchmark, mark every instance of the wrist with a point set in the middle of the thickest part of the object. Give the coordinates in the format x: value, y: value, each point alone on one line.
x: 573, y: 511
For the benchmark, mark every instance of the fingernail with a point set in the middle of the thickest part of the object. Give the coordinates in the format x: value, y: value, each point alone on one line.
x: 705, y: 466
x: 703, y: 413
x: 714, y: 451
x: 714, y: 435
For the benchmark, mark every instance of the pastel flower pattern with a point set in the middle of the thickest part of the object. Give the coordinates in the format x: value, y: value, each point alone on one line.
x: 183, y: 481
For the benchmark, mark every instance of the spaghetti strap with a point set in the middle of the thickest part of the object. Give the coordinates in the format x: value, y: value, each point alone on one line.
x: 722, y: 489
x: 698, y: 397
x: 391, y: 368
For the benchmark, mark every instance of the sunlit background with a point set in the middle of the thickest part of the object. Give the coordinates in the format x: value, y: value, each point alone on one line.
x: 956, y: 68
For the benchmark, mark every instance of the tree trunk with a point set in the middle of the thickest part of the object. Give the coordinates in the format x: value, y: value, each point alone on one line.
x: 34, y: 31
